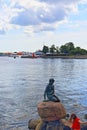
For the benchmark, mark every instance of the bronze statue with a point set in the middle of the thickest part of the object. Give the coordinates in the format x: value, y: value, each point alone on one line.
x: 49, y: 92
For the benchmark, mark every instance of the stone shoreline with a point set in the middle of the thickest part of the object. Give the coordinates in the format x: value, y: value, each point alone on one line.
x: 67, y: 57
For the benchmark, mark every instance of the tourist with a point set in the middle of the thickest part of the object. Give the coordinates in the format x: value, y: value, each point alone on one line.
x: 76, y: 122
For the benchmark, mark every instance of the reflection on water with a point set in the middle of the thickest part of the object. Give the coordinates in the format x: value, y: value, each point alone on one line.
x: 22, y: 84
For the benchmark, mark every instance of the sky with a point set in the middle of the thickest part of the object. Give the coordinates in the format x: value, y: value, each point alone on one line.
x: 28, y: 25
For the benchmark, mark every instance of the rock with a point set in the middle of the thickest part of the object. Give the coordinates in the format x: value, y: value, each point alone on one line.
x: 52, y: 117
x: 66, y: 123
x: 51, y: 111
x: 33, y: 123
x: 39, y: 125
x: 51, y: 125
x: 84, y: 128
x: 85, y: 116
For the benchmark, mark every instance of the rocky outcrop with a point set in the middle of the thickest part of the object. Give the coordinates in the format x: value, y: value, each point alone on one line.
x: 39, y: 124
x: 52, y: 117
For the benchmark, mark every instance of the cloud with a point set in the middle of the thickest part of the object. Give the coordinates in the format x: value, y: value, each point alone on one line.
x: 31, y: 17
x: 25, y: 18
x: 44, y: 14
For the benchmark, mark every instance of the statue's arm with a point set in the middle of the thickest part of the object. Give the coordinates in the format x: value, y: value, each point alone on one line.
x: 53, y: 92
x: 45, y: 93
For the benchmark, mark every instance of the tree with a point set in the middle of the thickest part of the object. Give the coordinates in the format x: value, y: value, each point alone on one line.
x: 52, y: 49
x: 45, y: 49
x: 67, y: 48
x: 83, y: 51
x: 63, y: 49
x: 70, y: 46
x: 79, y: 51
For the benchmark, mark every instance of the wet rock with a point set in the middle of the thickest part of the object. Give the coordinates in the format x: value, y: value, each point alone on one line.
x: 85, y: 116
x: 38, y: 124
x: 52, y: 117
x: 51, y: 125
x: 33, y: 123
x: 50, y: 114
x: 84, y: 128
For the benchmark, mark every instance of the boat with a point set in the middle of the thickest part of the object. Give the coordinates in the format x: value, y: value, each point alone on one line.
x: 29, y: 56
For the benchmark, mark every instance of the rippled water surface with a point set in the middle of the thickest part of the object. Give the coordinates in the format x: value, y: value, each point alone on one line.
x: 22, y: 84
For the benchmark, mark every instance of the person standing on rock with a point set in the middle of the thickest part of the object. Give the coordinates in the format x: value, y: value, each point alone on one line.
x: 76, y: 122
x: 49, y: 92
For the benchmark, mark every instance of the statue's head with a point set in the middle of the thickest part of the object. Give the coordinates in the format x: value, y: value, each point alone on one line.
x: 51, y: 80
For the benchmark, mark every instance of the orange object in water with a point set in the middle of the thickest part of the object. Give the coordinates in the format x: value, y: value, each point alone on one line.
x: 33, y: 55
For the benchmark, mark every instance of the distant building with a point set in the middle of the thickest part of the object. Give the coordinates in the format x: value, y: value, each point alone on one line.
x: 39, y: 53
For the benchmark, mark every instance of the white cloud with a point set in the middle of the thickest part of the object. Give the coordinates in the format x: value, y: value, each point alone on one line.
x: 36, y: 15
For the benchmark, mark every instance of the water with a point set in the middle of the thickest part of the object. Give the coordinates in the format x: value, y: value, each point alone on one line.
x: 22, y: 84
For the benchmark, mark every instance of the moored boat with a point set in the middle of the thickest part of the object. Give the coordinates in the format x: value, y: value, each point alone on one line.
x: 29, y: 56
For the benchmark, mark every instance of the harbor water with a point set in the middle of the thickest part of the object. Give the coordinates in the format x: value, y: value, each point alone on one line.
x: 22, y: 84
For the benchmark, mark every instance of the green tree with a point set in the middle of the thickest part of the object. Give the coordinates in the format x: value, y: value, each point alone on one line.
x: 63, y: 49
x: 45, y: 49
x: 83, y: 51
x: 70, y: 46
x: 67, y: 48
x: 79, y: 51
x: 52, y: 49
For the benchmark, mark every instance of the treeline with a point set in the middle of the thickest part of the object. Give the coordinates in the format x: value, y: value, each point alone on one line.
x: 66, y: 49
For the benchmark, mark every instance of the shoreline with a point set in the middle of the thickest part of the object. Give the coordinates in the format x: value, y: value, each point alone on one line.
x: 67, y: 57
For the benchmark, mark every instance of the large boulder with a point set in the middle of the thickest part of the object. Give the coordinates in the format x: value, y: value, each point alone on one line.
x: 51, y: 111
